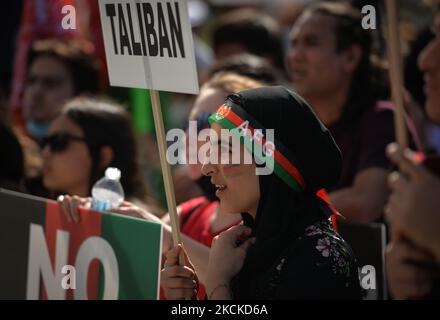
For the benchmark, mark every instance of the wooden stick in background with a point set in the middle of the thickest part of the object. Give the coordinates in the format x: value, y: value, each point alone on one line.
x: 395, y: 72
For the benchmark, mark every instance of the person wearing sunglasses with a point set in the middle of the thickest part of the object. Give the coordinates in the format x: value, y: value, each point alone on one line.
x: 84, y: 139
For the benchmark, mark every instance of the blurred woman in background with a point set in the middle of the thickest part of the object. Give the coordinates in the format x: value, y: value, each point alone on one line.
x: 84, y: 139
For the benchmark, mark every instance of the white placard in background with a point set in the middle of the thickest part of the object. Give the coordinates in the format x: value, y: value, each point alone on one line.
x: 148, y: 44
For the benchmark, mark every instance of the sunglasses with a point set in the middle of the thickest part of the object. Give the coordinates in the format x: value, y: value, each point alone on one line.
x: 58, y: 142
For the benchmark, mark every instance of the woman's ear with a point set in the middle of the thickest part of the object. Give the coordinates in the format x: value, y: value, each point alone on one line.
x: 353, y: 56
x: 106, y: 156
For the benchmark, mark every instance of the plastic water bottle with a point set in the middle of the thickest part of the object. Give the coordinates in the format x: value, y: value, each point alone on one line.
x: 107, y: 192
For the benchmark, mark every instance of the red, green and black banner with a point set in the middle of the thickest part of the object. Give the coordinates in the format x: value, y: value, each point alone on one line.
x: 104, y: 256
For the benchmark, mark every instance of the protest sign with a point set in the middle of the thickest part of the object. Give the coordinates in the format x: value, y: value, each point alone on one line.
x: 148, y: 44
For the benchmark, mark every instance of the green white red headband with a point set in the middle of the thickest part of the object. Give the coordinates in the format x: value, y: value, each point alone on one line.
x: 242, y: 125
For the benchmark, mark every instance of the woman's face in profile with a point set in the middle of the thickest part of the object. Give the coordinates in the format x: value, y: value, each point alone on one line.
x: 237, y: 183
x: 67, y: 161
x: 207, y: 102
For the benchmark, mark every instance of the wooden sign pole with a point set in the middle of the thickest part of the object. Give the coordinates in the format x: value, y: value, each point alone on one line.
x: 395, y: 71
x: 166, y: 170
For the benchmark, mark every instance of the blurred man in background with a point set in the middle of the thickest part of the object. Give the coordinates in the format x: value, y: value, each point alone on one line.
x: 330, y: 66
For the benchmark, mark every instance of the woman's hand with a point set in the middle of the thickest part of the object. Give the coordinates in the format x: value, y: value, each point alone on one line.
x: 413, y: 205
x: 70, y: 206
x: 178, y: 282
x: 410, y: 270
x: 226, y: 258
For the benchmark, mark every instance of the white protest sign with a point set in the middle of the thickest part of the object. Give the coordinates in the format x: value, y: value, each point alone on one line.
x: 148, y: 44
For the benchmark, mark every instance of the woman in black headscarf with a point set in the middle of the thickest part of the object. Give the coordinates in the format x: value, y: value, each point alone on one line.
x: 286, y: 248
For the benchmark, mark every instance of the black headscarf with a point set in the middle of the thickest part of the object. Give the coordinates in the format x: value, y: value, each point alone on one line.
x: 283, y: 212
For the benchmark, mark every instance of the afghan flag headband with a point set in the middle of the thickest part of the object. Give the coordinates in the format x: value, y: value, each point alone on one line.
x: 252, y: 134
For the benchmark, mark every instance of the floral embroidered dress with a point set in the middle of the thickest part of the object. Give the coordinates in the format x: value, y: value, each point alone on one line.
x: 318, y: 265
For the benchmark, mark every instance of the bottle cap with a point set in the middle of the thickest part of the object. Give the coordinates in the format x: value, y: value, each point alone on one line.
x: 113, y: 173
